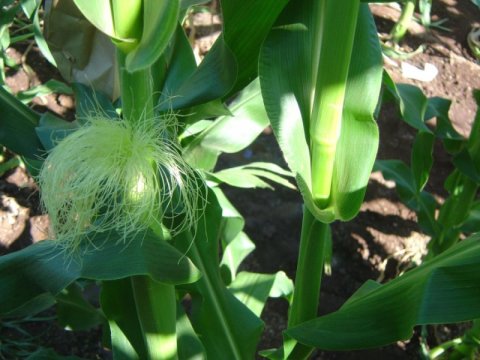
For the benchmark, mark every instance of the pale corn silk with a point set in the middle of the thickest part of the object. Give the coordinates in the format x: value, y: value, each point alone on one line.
x: 113, y: 175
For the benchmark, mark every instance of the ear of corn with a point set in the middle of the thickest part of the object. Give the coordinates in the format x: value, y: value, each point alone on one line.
x: 114, y: 175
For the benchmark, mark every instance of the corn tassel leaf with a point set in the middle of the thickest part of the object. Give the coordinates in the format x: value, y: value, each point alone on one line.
x: 443, y: 290
x: 288, y: 85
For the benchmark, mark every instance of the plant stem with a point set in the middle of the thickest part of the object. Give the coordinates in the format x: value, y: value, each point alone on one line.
x: 337, y: 23
x: 309, y: 275
x: 401, y: 27
x: 156, y: 310
x: 309, y: 270
x: 425, y: 12
x: 136, y: 90
x: 155, y: 302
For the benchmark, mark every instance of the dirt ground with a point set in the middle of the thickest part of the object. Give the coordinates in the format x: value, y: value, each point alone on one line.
x: 378, y: 244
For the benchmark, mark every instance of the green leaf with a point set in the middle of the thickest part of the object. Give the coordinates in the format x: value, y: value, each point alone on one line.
x: 189, y: 345
x: 244, y: 33
x: 17, y: 127
x: 439, y: 108
x: 472, y: 223
x: 87, y: 99
x: 412, y: 102
x: 232, y: 61
x: 425, y: 206
x: 466, y: 165
x: 399, y: 172
x: 235, y: 251
x: 45, y: 268
x: 236, y: 245
x: 228, y: 329
x: 250, y: 176
x: 39, y: 38
x: 288, y: 95
x: 99, y: 13
x: 51, y: 86
x: 422, y: 158
x: 182, y: 66
x: 232, y: 133
x: 29, y: 6
x: 118, y: 304
x: 52, y: 129
x: 442, y: 290
x: 421, y: 202
x: 253, y: 289
x: 211, y: 80
x: 34, y: 306
x: 74, y: 312
x: 159, y: 23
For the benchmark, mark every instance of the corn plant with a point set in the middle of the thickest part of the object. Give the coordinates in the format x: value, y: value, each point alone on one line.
x: 135, y: 201
x: 458, y: 215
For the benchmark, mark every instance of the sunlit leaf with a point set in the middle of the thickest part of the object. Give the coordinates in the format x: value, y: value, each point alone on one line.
x: 288, y: 92
x: 442, y: 290
x: 45, y: 268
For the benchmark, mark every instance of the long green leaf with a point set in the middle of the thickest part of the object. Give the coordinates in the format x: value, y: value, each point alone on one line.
x: 40, y: 39
x: 443, y: 290
x: 99, y: 13
x: 118, y: 304
x: 422, y: 158
x: 159, y: 23
x: 74, y: 312
x: 288, y: 94
x: 253, y: 289
x: 236, y: 245
x: 51, y: 86
x: 230, y: 133
x: 44, y: 268
x: 232, y: 61
x: 252, y: 175
x: 227, y: 328
x: 17, y: 127
x: 189, y: 345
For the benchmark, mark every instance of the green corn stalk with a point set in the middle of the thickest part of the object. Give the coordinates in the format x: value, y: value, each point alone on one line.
x: 155, y: 302
x: 332, y: 181
x: 425, y: 11
x: 401, y: 27
x: 338, y: 22
x: 337, y: 29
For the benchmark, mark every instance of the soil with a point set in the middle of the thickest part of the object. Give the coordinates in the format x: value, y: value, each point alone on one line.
x: 381, y: 242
